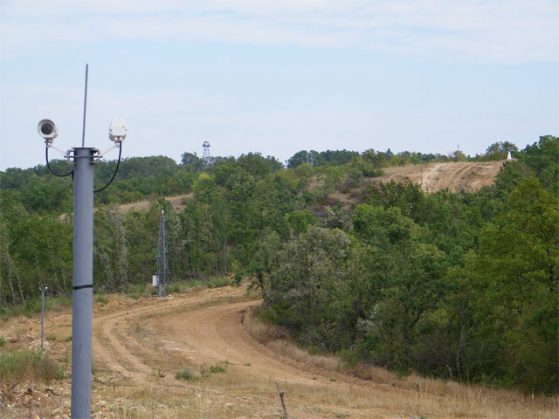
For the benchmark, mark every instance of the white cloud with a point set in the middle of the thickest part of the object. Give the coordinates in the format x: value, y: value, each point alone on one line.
x: 475, y: 30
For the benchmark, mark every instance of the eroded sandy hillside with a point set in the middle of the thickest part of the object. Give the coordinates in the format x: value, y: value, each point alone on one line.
x: 455, y: 177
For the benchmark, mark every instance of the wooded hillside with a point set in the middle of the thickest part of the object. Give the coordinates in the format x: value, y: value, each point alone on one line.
x: 452, y: 284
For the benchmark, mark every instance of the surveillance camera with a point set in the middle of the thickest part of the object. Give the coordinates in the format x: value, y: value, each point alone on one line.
x: 118, y: 130
x: 47, y: 129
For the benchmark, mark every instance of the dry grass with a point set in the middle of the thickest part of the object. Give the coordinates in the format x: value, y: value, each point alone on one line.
x: 25, y: 365
x: 204, y: 398
x: 376, y: 388
x: 291, y: 351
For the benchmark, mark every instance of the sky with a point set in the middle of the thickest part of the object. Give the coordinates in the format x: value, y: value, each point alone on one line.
x: 277, y: 77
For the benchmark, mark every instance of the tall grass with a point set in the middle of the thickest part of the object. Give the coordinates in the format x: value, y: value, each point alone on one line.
x: 33, y: 306
x: 28, y: 365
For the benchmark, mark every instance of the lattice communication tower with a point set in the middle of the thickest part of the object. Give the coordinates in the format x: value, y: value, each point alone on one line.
x: 206, y: 152
x: 162, y: 258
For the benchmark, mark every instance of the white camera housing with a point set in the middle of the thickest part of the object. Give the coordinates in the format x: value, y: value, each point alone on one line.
x: 47, y: 129
x: 118, y: 130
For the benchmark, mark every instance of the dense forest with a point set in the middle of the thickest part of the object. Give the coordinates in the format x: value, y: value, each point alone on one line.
x: 455, y: 285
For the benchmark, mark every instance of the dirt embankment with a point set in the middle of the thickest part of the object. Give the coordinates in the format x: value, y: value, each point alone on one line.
x: 434, y: 177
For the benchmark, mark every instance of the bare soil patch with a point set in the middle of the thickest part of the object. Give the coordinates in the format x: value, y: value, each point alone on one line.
x: 455, y: 176
x: 178, y: 202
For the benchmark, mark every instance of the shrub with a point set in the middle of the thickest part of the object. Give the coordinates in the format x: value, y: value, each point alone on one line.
x: 218, y: 282
x: 101, y: 299
x: 194, y: 283
x: 185, y: 374
x: 216, y: 369
x: 238, y: 279
x: 135, y: 291
x: 28, y: 365
x: 174, y: 288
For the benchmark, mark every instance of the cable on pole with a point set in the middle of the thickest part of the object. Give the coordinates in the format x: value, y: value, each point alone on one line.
x: 54, y: 172
x: 114, y: 173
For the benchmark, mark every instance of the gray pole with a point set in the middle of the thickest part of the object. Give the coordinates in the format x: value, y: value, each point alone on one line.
x: 82, y: 280
x: 43, y: 289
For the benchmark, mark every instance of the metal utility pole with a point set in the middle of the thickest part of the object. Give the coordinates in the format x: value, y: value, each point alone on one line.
x: 43, y: 290
x: 162, y: 264
x: 82, y: 281
x: 84, y: 159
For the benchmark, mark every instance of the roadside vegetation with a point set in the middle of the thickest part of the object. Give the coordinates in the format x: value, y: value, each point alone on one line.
x: 26, y: 365
x: 461, y: 286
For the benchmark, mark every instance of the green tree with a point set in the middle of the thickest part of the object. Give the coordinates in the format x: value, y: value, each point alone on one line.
x: 499, y: 150
x: 300, y: 220
x: 516, y: 274
x: 543, y: 158
x: 299, y: 158
x: 309, y: 286
x: 192, y: 163
x: 111, y: 249
x: 399, y: 282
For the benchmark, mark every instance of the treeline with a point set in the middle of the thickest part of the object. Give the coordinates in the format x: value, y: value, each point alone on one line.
x: 462, y: 286
x: 144, y: 177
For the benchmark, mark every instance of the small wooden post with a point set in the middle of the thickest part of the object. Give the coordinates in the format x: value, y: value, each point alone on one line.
x: 283, y: 409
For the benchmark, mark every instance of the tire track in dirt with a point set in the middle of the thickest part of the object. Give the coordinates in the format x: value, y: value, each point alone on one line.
x: 457, y: 178
x: 216, y: 334
x: 446, y: 176
x: 111, y: 343
x: 203, y: 329
x: 206, y: 328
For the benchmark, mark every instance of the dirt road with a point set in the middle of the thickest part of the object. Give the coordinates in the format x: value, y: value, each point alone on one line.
x: 145, y: 347
x: 230, y: 366
x: 115, y: 343
x: 140, y: 347
x: 215, y: 334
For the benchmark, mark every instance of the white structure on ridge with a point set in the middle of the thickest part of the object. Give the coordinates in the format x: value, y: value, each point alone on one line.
x: 206, y: 153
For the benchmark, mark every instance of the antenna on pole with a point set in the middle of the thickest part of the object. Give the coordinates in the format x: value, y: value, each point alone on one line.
x: 82, y: 249
x: 84, y: 105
